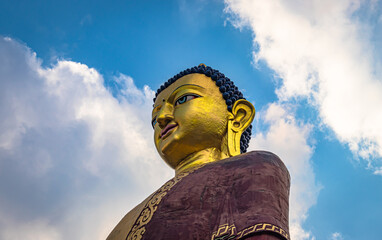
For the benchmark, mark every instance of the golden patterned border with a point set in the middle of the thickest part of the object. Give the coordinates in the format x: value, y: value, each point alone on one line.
x: 226, y: 231
x: 151, y: 206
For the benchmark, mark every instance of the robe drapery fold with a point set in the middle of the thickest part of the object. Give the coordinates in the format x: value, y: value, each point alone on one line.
x: 242, y: 197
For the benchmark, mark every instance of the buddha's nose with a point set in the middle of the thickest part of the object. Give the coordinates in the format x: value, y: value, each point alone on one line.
x: 165, y: 116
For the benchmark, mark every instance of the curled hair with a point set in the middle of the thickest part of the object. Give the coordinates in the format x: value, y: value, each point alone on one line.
x: 229, y: 91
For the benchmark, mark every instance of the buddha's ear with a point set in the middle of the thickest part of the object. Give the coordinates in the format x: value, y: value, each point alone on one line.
x: 241, y: 117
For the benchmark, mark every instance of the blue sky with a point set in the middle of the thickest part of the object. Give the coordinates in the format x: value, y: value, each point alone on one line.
x: 75, y: 147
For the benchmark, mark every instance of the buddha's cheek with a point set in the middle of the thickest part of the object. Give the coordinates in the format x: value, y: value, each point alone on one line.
x: 193, y: 136
x: 200, y: 136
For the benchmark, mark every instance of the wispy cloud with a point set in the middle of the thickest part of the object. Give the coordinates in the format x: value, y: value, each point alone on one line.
x: 322, y: 51
x: 336, y: 236
x: 86, y: 20
x: 73, y: 158
x: 378, y: 171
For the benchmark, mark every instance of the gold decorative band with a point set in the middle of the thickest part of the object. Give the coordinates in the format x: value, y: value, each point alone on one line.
x: 151, y: 206
x: 226, y: 231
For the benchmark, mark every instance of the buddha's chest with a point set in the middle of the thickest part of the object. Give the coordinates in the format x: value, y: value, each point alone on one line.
x: 227, y: 202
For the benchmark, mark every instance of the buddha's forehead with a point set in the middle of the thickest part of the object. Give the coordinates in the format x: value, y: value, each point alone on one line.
x: 188, y: 81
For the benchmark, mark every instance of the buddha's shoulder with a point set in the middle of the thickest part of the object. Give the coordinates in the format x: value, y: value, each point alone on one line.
x: 254, y: 158
x: 123, y: 227
x: 251, y: 162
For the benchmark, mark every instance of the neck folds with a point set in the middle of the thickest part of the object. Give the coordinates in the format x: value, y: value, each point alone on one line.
x: 199, y: 159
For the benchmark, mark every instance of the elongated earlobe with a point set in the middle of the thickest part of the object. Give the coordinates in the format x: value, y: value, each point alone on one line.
x: 241, y: 117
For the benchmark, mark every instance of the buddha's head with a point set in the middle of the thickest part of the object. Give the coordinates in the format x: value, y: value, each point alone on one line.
x: 199, y: 113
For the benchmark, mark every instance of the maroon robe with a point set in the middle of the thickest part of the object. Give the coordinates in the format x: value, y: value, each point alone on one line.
x: 242, y: 197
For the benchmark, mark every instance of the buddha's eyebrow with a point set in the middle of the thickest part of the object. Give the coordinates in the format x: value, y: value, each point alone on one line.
x: 186, y: 85
x: 189, y: 84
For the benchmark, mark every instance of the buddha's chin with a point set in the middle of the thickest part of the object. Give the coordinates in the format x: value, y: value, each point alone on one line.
x: 168, y: 146
x: 170, y: 152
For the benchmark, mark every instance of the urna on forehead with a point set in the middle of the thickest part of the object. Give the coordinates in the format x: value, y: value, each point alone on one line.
x: 230, y: 92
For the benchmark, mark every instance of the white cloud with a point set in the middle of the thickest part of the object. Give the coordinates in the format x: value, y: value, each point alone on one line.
x: 336, y: 236
x: 73, y: 158
x: 288, y: 138
x: 378, y: 171
x: 32, y: 230
x: 322, y: 51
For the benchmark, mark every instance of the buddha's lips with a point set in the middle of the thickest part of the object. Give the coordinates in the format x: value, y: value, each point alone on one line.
x: 167, y: 129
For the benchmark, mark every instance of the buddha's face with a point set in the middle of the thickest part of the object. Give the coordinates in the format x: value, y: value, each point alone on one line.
x: 189, y: 116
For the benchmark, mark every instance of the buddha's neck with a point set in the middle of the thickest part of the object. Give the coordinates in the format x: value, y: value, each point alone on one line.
x: 199, y: 159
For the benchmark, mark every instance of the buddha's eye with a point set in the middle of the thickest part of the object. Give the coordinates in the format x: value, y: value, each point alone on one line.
x: 153, y: 122
x: 185, y: 98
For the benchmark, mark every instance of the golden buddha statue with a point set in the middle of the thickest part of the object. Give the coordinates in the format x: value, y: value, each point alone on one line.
x: 202, y: 126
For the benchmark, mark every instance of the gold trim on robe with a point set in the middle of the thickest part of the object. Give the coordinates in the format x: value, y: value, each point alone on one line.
x: 151, y: 206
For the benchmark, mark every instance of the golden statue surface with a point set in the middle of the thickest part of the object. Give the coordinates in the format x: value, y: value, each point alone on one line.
x: 202, y: 127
